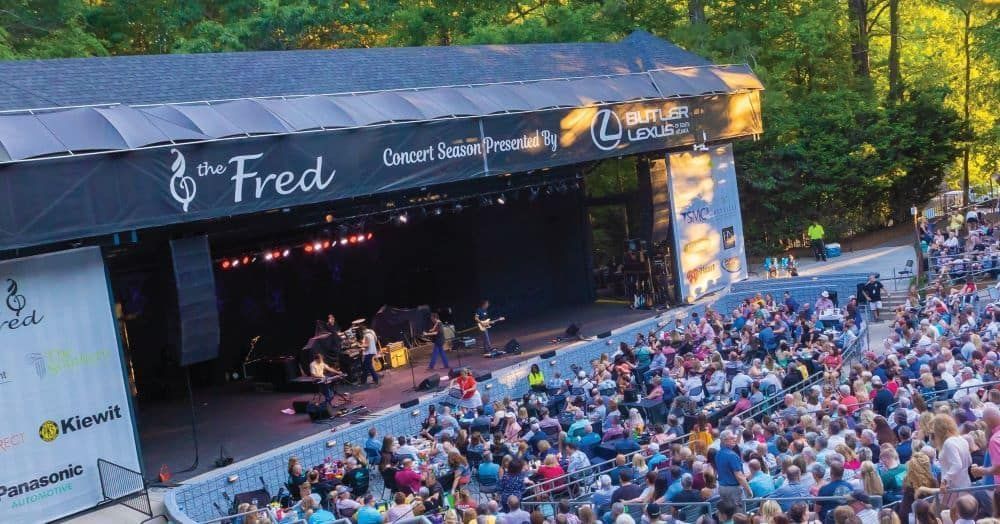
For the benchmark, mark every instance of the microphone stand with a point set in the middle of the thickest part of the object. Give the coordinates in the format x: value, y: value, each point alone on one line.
x: 409, y: 358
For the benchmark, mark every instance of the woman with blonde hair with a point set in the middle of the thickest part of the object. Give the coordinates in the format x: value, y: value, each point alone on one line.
x: 918, y: 482
x: 639, y: 465
x: 768, y: 510
x: 887, y: 516
x: 953, y: 454
x: 871, y: 481
x: 924, y: 430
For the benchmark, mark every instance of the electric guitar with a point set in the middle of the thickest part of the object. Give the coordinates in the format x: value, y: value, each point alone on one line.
x: 488, y: 323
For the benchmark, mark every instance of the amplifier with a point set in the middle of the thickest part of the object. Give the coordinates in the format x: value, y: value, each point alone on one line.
x: 463, y: 343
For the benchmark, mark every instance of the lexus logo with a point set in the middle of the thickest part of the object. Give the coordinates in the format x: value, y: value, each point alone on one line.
x: 606, y: 130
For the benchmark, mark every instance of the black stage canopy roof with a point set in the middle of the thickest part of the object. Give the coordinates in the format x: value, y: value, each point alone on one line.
x: 73, y: 172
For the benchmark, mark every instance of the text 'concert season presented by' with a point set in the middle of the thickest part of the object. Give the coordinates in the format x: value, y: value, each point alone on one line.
x: 62, y: 387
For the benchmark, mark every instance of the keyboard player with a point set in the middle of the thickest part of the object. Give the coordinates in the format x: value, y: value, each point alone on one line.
x: 323, y: 373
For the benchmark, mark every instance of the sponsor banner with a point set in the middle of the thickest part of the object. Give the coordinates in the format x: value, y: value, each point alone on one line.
x: 63, y: 391
x: 68, y: 198
x: 708, y: 226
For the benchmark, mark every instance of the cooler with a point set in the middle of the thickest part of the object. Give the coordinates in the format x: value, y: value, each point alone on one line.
x: 832, y: 250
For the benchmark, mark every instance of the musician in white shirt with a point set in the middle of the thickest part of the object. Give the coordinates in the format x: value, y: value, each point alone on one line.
x: 318, y: 369
x: 370, y: 343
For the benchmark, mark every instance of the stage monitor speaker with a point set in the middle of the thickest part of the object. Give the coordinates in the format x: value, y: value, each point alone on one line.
x: 513, y: 347
x: 572, y: 331
x: 410, y: 403
x: 196, y: 299
x: 606, y: 334
x: 301, y: 407
x: 319, y: 411
x: 430, y: 383
x: 484, y: 378
x: 547, y: 355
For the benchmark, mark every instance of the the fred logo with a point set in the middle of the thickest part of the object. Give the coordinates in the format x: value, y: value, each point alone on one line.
x: 17, y: 304
x: 182, y: 187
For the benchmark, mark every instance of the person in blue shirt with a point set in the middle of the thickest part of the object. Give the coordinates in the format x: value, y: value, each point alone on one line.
x: 791, y: 303
x: 373, y: 446
x: 791, y: 489
x: 837, y: 487
x: 657, y: 456
x: 367, y: 514
x: 761, y: 483
x: 768, y: 338
x: 729, y: 469
x: 488, y: 469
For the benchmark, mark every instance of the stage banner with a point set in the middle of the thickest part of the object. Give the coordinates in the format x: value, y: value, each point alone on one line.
x: 63, y: 393
x: 708, y: 226
x: 57, y: 199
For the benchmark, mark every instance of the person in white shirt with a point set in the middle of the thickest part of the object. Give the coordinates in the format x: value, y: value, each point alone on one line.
x: 955, y: 458
x: 320, y: 370
x: 970, y: 385
x: 370, y: 343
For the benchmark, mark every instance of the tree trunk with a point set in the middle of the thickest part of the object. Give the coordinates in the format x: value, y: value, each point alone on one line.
x: 968, y: 123
x: 696, y: 12
x: 859, y: 41
x: 895, y: 78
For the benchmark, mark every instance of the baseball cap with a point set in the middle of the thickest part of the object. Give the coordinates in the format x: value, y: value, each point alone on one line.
x: 653, y: 509
x: 876, y: 380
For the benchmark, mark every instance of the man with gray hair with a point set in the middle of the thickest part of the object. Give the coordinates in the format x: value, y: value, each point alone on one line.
x: 687, y: 492
x: 514, y: 515
x: 602, y: 495
x: 732, y: 482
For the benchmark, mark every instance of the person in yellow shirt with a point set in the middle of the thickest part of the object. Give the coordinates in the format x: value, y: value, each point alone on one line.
x: 816, y: 233
x: 536, y: 379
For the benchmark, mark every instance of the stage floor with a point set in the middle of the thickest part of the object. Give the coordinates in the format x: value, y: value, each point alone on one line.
x: 245, y: 423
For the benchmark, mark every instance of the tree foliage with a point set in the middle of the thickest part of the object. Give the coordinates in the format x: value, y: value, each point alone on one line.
x: 836, y: 143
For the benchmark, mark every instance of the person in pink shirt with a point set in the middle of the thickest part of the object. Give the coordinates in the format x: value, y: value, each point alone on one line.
x: 991, y: 415
x: 408, y: 478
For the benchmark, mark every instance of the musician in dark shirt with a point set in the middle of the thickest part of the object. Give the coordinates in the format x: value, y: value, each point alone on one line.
x: 482, y: 319
x: 436, y: 332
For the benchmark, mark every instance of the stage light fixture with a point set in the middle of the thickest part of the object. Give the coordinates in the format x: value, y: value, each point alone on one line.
x: 309, y: 248
x: 353, y: 239
x: 326, y: 244
x: 286, y: 252
x: 343, y: 241
x: 246, y: 260
x: 277, y: 254
x: 328, y: 218
x: 402, y: 219
x: 361, y: 238
x: 226, y: 264
x: 268, y: 257
x: 370, y: 235
x: 236, y: 262
x: 501, y: 199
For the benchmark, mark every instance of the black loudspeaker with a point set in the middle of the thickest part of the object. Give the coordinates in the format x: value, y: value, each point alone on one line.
x: 483, y: 378
x: 606, y: 334
x: 410, y: 403
x: 547, y: 355
x: 318, y: 411
x: 300, y: 406
x: 572, y: 331
x: 430, y: 383
x: 513, y: 347
x: 196, y: 299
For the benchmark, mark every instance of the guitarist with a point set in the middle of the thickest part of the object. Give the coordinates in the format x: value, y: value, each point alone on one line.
x: 482, y: 319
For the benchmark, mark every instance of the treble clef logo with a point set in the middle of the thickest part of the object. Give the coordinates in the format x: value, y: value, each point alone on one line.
x: 182, y: 188
x: 15, y: 302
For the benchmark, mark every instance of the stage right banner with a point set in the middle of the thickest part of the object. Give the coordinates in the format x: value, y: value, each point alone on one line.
x: 707, y: 224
